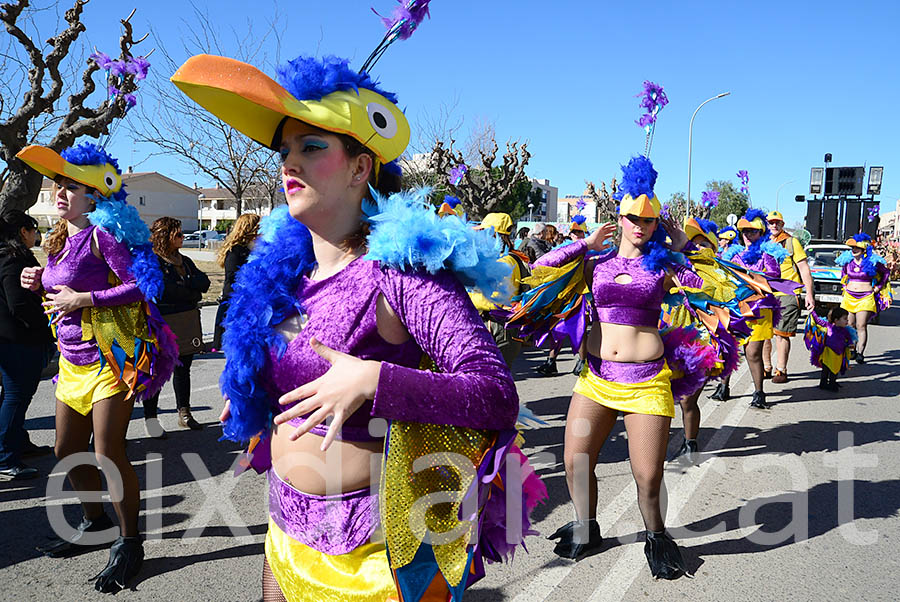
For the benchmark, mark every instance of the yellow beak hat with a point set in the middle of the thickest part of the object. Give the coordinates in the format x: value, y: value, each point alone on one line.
x: 501, y: 223
x: 451, y: 206
x: 705, y: 228
x: 860, y: 241
x: 85, y: 163
x: 636, y: 190
x: 579, y: 222
x: 325, y: 93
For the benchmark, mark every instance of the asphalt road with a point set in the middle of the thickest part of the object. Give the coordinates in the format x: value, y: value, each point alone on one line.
x: 799, y: 502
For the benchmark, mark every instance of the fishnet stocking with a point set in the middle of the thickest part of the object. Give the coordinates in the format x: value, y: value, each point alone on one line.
x: 271, y: 589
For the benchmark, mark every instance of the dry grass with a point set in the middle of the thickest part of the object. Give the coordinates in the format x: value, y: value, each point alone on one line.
x: 212, y: 269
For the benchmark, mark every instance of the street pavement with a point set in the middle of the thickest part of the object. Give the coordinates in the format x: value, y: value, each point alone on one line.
x: 799, y: 502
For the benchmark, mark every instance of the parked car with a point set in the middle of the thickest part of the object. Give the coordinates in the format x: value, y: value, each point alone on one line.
x: 200, y: 238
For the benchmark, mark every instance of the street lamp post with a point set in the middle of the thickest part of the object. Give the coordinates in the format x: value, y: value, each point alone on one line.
x: 530, y: 207
x: 687, y: 211
x: 779, y: 190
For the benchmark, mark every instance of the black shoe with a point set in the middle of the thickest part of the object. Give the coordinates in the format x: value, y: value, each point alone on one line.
x: 689, y: 452
x: 860, y: 359
x: 722, y: 393
x: 663, y: 556
x: 125, y: 558
x: 759, y: 401
x: 579, y: 366
x: 18, y: 473
x: 577, y: 539
x: 63, y: 548
x: 32, y: 451
x: 548, y: 368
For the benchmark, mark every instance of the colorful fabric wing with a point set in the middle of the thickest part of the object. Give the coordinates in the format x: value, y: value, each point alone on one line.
x: 555, y: 307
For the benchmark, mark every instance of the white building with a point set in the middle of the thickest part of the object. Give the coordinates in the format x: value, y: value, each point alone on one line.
x: 548, y: 209
x: 218, y: 206
x: 153, y: 194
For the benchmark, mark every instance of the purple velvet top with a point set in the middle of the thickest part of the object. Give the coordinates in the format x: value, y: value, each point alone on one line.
x: 634, y: 304
x: 837, y: 338
x: 767, y: 264
x: 79, y: 269
x: 473, y: 388
x: 854, y: 273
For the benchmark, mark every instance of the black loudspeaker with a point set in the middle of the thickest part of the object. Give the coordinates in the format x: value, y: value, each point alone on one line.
x: 829, y: 221
x: 870, y: 228
x: 851, y: 218
x: 814, y: 218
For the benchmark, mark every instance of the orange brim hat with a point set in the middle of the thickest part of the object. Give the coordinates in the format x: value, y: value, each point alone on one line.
x: 642, y: 206
x: 692, y: 228
x: 104, y: 178
x: 254, y: 104
x: 755, y: 224
x: 861, y: 244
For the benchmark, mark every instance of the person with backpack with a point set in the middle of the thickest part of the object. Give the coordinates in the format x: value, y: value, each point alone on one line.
x: 796, y: 268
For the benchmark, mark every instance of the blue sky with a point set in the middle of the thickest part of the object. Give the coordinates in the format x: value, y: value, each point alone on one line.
x: 805, y: 78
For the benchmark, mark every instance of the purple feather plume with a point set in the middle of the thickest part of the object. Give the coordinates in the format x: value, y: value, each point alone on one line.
x: 653, y: 99
x: 687, y: 354
x: 709, y: 198
x: 405, y: 18
x: 457, y: 173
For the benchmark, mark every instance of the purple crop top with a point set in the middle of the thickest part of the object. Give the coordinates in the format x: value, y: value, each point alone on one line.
x: 473, y: 389
x: 767, y: 264
x: 79, y: 269
x: 634, y: 304
x: 854, y: 273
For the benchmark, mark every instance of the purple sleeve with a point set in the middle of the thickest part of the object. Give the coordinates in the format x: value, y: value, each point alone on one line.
x: 563, y: 255
x: 771, y: 268
x: 688, y: 277
x: 881, y: 275
x: 473, y: 388
x: 118, y: 258
x: 820, y: 320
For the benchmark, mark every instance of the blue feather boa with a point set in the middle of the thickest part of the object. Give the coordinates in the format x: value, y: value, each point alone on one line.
x: 406, y: 234
x: 264, y: 296
x: 123, y: 221
x: 750, y: 255
x: 869, y: 263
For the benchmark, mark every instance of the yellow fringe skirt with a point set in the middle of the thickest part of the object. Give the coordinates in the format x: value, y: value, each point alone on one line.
x: 303, y: 573
x: 80, y: 387
x: 652, y: 396
x: 762, y: 329
x: 854, y: 305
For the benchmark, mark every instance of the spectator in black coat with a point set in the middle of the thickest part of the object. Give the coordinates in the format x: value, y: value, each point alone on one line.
x: 183, y: 288
x: 25, y: 343
x: 232, y: 255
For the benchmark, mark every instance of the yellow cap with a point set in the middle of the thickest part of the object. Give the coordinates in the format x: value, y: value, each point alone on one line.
x: 253, y: 103
x: 775, y: 215
x: 104, y: 178
x: 643, y: 206
x: 501, y: 223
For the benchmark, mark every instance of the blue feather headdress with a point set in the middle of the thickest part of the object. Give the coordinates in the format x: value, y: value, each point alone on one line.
x: 114, y: 215
x: 707, y: 225
x: 763, y: 244
x: 870, y: 259
x: 310, y: 78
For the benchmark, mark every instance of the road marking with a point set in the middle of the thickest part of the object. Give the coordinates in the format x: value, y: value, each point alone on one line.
x: 631, y: 563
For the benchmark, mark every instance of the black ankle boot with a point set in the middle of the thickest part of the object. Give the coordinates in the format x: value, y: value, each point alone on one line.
x: 823, y: 379
x: 722, y: 393
x: 689, y: 452
x: 663, y: 556
x: 759, y: 401
x: 548, y: 368
x: 125, y: 558
x: 63, y: 548
x: 577, y: 539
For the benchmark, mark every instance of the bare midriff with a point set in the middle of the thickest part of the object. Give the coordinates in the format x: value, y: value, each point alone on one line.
x: 858, y: 286
x: 623, y: 343
x: 345, y: 466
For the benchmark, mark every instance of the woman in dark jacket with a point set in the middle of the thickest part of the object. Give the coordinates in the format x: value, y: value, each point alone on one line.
x: 25, y: 340
x: 233, y: 254
x: 183, y: 287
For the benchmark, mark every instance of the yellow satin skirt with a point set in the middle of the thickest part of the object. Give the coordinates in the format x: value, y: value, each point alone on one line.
x: 854, y: 305
x: 762, y: 329
x: 80, y: 387
x: 305, y: 574
x: 832, y: 360
x: 652, y: 396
